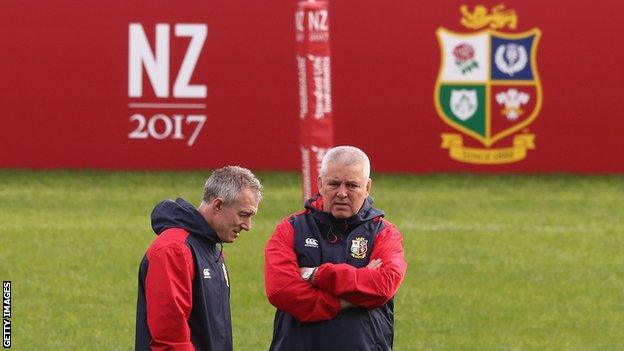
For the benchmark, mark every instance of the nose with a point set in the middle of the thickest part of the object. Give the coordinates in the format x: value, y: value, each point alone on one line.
x: 342, y: 191
x: 246, y: 225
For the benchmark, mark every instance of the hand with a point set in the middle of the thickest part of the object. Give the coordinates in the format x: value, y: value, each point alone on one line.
x: 374, y: 264
x: 345, y: 304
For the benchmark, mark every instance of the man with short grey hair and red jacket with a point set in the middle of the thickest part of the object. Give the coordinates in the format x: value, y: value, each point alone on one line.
x: 184, y: 290
x: 333, y: 269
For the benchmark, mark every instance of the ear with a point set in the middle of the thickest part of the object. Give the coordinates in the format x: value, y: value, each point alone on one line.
x: 369, y: 184
x: 217, y: 203
x: 319, y: 183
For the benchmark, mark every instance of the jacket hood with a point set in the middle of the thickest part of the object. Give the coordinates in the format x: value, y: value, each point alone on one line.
x: 181, y: 214
x: 366, y: 213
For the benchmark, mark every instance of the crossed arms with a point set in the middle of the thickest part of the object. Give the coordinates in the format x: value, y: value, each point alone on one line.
x: 335, y: 286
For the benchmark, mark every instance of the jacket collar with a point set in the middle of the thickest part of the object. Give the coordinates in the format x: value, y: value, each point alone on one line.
x: 366, y: 213
x: 181, y: 214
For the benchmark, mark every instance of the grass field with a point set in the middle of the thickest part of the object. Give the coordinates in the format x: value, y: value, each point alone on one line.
x: 495, y: 262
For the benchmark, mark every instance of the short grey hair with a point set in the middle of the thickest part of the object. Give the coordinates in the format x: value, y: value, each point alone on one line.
x: 228, y: 182
x: 346, y: 155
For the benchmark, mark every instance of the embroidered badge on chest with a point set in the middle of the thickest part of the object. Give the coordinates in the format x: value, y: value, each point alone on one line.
x: 359, y: 247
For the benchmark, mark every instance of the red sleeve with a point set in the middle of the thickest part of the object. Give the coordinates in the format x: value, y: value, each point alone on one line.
x: 366, y: 287
x: 169, y: 295
x: 284, y: 286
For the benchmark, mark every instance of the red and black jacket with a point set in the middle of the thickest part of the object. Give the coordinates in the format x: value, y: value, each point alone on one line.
x: 184, y: 293
x: 310, y: 317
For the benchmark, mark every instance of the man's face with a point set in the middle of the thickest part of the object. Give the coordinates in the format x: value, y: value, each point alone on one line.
x: 231, y: 219
x: 344, y: 189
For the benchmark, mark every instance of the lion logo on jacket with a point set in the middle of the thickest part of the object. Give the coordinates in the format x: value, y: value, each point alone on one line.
x: 359, y: 247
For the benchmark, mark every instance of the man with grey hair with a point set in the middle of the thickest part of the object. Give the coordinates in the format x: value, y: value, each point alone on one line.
x: 332, y: 270
x: 184, y: 290
x: 346, y: 155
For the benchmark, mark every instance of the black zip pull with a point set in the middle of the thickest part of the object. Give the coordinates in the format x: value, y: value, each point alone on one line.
x: 331, y: 237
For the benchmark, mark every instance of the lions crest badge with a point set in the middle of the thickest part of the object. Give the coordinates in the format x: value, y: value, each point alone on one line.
x: 488, y: 87
x: 359, y: 247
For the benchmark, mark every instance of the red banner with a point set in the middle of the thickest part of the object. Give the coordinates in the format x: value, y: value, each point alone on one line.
x: 442, y: 86
x: 314, y: 68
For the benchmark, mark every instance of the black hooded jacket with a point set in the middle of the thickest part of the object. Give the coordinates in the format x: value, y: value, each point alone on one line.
x: 184, y: 295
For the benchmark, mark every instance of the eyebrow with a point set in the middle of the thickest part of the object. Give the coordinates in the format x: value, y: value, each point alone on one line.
x: 346, y: 181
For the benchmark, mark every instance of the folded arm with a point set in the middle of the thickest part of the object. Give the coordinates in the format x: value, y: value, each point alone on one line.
x: 366, y: 287
x: 284, y: 286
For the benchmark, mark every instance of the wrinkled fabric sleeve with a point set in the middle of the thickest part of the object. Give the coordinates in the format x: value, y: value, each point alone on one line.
x: 284, y: 286
x: 169, y: 296
x: 365, y: 287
